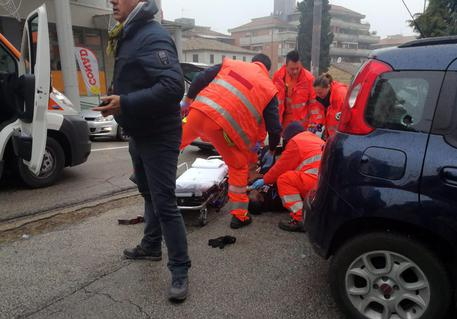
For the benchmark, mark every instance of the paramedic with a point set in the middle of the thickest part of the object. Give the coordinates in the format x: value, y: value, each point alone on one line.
x: 296, y: 97
x: 147, y: 88
x: 331, y: 95
x: 295, y: 173
x: 229, y: 106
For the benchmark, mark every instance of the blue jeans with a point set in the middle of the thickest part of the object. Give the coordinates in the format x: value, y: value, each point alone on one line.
x: 155, y: 161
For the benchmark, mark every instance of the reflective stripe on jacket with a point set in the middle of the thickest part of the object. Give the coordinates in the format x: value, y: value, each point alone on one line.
x: 337, y: 97
x: 236, y: 98
x: 302, y: 153
x: 303, y: 94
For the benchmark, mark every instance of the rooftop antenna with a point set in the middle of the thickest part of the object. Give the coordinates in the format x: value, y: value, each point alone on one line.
x: 414, y: 20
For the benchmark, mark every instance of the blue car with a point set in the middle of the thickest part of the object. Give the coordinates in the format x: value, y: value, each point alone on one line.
x: 385, y: 209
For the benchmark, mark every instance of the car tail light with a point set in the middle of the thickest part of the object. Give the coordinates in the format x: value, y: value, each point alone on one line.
x: 353, y: 117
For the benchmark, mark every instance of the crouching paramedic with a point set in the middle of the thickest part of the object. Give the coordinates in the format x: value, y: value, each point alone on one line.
x: 295, y: 173
x: 233, y: 101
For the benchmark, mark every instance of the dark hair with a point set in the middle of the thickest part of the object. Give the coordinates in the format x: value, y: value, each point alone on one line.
x: 293, y: 56
x: 323, y: 81
x: 262, y: 58
x: 292, y: 129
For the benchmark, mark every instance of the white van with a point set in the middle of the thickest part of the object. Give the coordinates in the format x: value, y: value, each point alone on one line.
x: 39, y: 135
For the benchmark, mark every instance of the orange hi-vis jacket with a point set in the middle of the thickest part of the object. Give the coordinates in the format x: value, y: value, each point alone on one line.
x: 302, y: 153
x: 297, y: 108
x: 338, y: 93
x: 236, y: 99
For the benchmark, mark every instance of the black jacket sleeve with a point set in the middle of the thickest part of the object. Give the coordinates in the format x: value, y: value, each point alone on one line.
x: 160, y: 62
x: 202, y: 80
x: 271, y: 118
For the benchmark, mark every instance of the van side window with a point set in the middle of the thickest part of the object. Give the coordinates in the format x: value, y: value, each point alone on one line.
x: 402, y: 100
x: 7, y: 62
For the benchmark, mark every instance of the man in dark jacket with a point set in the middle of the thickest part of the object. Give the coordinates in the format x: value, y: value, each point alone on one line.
x: 147, y: 88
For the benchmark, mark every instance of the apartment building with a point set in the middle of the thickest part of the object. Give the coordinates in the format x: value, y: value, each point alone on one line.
x: 276, y: 34
x: 203, y: 45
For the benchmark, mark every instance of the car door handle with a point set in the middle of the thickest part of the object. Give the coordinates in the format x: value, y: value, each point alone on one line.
x: 449, y: 175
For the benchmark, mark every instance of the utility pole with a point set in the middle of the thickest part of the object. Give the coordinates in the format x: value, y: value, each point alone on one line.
x: 316, y: 42
x: 67, y: 51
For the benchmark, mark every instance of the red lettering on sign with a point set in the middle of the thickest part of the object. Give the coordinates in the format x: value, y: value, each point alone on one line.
x: 87, y: 66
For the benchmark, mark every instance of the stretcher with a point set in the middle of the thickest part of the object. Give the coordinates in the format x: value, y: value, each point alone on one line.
x: 203, y: 185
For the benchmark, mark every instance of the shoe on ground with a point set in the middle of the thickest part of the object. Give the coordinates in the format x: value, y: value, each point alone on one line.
x: 292, y: 225
x: 235, y: 223
x: 178, y: 289
x: 139, y: 253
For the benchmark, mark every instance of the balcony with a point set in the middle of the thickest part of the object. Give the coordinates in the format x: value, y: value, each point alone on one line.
x: 288, y: 36
x: 350, y: 25
x: 362, y: 53
x: 355, y: 38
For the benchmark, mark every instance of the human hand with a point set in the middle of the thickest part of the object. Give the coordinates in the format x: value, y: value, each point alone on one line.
x: 257, y: 184
x: 185, y: 104
x: 267, y: 159
x: 257, y: 147
x: 111, y: 105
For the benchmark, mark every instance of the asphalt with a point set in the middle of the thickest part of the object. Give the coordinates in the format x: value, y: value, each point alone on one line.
x: 77, y: 272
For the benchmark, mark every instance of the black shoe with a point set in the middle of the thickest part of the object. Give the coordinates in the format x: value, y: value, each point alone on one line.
x: 178, y: 289
x: 235, y: 223
x: 139, y: 253
x: 292, y: 225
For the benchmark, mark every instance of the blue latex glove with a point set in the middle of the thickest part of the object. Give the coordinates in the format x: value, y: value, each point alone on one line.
x: 257, y: 184
x: 256, y: 148
x: 268, y: 159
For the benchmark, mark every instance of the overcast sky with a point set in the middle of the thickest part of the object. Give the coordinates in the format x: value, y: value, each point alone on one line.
x: 387, y: 17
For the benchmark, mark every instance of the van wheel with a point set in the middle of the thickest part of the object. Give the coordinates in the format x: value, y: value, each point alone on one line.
x: 51, y: 168
x: 386, y: 276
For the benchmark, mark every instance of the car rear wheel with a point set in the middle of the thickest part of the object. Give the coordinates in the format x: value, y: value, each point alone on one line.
x: 388, y: 276
x: 52, y: 166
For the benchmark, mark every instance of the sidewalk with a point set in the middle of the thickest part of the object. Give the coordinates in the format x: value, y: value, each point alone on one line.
x: 78, y: 272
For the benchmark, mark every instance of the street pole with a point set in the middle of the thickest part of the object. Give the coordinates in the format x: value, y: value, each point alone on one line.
x: 67, y: 51
x: 316, y: 42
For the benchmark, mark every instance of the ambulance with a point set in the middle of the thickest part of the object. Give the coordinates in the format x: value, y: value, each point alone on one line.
x: 40, y: 132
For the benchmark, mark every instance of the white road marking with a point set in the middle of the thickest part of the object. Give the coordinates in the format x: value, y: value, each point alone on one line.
x: 109, y: 148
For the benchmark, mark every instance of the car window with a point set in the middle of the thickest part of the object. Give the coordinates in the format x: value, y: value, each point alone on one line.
x: 7, y: 62
x: 398, y: 100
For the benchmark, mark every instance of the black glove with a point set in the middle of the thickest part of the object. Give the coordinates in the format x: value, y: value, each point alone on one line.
x: 221, y: 241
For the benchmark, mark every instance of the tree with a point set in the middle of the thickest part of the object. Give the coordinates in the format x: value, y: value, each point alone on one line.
x: 305, y: 32
x: 439, y: 19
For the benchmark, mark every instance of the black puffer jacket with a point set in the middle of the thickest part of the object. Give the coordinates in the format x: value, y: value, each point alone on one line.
x: 148, y: 77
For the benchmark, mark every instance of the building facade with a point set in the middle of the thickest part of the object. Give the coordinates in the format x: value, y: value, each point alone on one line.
x: 85, y: 33
x: 209, y: 51
x: 203, y: 45
x: 276, y: 35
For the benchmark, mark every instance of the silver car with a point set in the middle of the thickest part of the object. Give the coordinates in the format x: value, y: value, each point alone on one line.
x: 100, y: 126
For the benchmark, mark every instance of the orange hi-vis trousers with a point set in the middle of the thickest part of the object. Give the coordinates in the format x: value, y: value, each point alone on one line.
x: 200, y: 125
x: 293, y: 187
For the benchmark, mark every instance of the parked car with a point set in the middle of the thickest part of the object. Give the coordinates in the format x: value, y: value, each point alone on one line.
x: 40, y: 132
x: 100, y: 126
x: 385, y: 206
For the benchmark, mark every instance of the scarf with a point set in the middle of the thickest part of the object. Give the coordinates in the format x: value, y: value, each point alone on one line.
x: 116, y: 32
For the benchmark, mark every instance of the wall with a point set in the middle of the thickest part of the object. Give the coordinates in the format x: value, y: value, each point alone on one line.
x: 204, y: 56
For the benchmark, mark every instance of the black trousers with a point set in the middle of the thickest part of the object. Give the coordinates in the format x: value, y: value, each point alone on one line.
x: 155, y: 161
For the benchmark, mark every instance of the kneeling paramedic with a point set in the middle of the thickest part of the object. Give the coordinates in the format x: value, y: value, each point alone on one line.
x: 295, y: 173
x: 231, y: 104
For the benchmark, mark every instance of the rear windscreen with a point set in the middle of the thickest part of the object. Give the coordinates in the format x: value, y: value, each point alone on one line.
x: 404, y: 100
